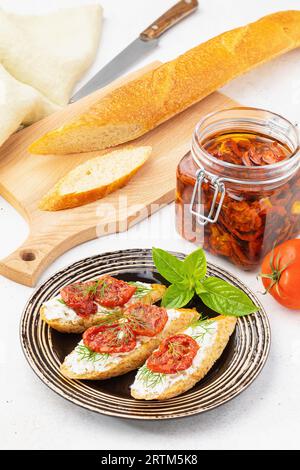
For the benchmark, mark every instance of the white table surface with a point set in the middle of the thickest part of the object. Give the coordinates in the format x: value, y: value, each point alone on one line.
x: 267, y: 414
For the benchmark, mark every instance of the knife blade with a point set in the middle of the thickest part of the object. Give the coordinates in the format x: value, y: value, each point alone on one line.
x: 145, y: 43
x: 121, y: 63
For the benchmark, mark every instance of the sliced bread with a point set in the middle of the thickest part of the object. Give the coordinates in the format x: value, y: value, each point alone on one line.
x: 95, y: 179
x: 212, y: 337
x: 84, y: 364
x: 64, y: 319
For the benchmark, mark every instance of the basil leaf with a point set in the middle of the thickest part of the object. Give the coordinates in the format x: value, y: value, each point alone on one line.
x: 200, y: 289
x: 168, y: 266
x: 188, y: 277
x: 176, y: 297
x: 195, y: 265
x: 186, y: 283
x: 226, y: 299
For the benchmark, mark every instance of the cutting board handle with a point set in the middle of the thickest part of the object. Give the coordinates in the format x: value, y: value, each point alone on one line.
x: 29, y: 261
x: 26, y: 264
x: 22, y: 266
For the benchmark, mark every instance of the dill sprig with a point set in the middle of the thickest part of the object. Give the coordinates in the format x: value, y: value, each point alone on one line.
x: 120, y: 330
x: 150, y: 379
x: 87, y: 290
x: 110, y: 317
x: 205, y: 326
x: 92, y: 289
x: 102, y: 289
x: 134, y: 320
x: 175, y: 349
x: 124, y: 334
x: 87, y: 354
x: 141, y: 290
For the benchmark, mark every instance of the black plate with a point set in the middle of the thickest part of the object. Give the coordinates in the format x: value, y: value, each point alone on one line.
x: 45, y: 348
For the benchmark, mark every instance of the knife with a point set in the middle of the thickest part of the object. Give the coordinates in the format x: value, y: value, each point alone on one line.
x: 146, y: 42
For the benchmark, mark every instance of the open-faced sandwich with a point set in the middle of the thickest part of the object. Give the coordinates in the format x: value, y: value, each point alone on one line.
x: 85, y: 304
x: 113, y: 349
x: 183, y: 359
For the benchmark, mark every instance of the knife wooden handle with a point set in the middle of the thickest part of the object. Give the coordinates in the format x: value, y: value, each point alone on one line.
x: 169, y: 19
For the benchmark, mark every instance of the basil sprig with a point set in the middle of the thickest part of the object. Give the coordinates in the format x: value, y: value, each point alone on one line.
x: 188, y: 278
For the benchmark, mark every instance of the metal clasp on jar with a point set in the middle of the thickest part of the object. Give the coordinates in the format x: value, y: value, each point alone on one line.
x: 216, y: 206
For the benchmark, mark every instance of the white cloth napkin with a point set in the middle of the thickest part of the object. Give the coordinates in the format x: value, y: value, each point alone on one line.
x: 41, y: 59
x: 20, y: 104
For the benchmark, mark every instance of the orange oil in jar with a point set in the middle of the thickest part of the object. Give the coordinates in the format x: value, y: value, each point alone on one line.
x: 259, y: 174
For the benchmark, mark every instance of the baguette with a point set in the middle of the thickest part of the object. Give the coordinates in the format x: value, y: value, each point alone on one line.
x: 139, y: 106
x: 95, y: 179
x: 77, y: 367
x: 64, y: 319
x: 212, y: 339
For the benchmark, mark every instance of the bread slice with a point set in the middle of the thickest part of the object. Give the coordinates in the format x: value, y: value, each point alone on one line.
x: 141, y: 105
x: 212, y: 337
x: 62, y: 318
x: 79, y: 365
x: 95, y: 178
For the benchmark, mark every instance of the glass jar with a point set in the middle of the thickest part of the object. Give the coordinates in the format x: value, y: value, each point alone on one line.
x: 235, y: 211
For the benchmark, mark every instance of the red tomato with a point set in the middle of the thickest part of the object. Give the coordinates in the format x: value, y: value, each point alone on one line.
x: 174, y: 354
x: 109, y: 339
x: 113, y: 292
x: 79, y: 297
x: 146, y: 320
x: 280, y: 274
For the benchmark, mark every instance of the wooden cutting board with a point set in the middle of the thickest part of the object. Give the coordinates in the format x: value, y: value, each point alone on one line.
x: 25, y: 178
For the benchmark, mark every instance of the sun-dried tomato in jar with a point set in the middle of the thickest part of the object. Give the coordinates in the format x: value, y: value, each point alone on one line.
x: 238, y: 190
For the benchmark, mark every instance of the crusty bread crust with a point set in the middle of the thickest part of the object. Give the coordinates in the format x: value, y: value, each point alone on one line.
x: 56, y: 200
x: 81, y: 324
x: 136, y: 358
x: 141, y: 105
x: 78, y: 326
x: 225, y: 329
